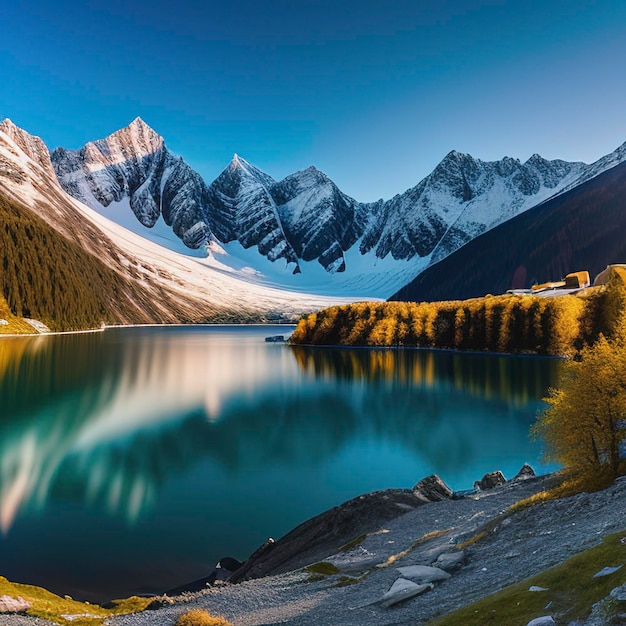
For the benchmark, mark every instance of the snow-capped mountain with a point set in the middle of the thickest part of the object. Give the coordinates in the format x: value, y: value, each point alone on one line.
x: 134, y: 164
x: 581, y: 229
x: 286, y: 232
x: 153, y: 283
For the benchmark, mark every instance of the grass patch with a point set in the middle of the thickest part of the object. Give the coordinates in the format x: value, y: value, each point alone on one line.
x: 49, y: 606
x: 569, y: 487
x: 472, y: 540
x: 198, y: 617
x: 324, y: 568
x: 571, y: 589
x: 345, y: 581
x: 357, y: 541
x: 394, y: 557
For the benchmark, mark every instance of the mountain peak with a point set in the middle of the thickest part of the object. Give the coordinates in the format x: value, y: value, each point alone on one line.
x: 139, y: 127
x: 7, y: 125
x: 455, y: 155
x: 239, y: 162
x: 31, y: 145
x: 139, y: 123
x: 135, y: 140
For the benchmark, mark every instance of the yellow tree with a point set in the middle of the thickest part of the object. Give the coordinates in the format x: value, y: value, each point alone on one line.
x: 585, y: 424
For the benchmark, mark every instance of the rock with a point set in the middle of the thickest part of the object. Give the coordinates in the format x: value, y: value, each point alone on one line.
x: 526, y: 471
x: 489, y: 481
x: 9, y: 604
x: 402, y: 589
x: 325, y: 534
x: 619, y: 593
x: 157, y: 603
x: 535, y: 588
x: 432, y: 489
x: 349, y: 565
x: 546, y: 620
x: 423, y: 573
x: 607, y: 571
x: 450, y: 561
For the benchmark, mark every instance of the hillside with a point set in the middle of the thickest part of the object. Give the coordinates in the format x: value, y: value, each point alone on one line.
x: 50, y: 278
x: 583, y: 229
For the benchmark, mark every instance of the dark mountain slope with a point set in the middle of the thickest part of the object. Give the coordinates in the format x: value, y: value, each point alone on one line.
x: 583, y: 229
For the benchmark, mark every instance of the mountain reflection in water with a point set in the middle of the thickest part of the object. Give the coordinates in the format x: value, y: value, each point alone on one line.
x: 146, y: 426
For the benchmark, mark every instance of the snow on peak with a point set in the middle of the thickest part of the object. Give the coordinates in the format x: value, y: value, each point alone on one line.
x: 31, y: 145
x: 135, y: 140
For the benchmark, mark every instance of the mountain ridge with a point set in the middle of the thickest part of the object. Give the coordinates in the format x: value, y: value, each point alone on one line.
x: 305, y: 217
x: 580, y: 229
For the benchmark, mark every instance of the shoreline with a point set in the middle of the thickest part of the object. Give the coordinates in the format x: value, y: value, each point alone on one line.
x: 123, y: 326
x: 499, y: 548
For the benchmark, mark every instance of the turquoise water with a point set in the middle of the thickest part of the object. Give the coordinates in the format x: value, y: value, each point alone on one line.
x: 132, y: 460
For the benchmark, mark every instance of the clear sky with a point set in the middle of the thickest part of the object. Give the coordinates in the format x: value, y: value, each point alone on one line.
x: 375, y: 94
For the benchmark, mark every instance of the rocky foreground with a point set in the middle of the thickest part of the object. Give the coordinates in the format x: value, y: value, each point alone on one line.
x: 470, y: 550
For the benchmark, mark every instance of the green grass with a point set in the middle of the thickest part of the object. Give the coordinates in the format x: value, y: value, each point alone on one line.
x: 571, y: 589
x: 323, y: 567
x: 49, y: 606
x: 357, y: 541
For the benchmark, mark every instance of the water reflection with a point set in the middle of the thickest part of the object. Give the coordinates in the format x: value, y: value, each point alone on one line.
x: 123, y: 423
x: 121, y: 413
x: 515, y: 379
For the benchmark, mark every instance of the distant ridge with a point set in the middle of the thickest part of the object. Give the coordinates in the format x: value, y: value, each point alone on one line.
x: 582, y: 229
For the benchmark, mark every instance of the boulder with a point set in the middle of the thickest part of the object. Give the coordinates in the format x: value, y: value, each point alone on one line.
x: 450, y: 561
x: 9, y: 604
x: 619, y: 593
x: 423, y: 573
x: 401, y: 590
x: 526, y: 471
x: 489, y: 481
x: 545, y: 620
x: 432, y: 489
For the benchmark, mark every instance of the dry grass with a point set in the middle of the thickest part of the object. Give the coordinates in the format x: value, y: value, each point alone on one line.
x: 198, y: 617
x: 49, y: 606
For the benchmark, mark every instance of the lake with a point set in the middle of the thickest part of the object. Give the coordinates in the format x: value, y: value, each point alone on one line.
x: 132, y: 459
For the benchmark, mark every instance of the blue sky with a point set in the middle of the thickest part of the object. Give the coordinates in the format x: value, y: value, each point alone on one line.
x: 373, y: 93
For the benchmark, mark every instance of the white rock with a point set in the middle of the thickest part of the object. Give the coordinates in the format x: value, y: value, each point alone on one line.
x: 606, y: 571
x: 619, y: 593
x: 423, y: 573
x: 546, y: 620
x: 13, y: 605
x: 535, y: 588
x: 402, y: 589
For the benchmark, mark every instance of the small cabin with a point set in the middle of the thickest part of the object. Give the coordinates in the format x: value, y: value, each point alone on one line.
x: 577, y: 280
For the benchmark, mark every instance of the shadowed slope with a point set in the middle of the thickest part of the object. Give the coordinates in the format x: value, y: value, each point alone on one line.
x: 583, y: 229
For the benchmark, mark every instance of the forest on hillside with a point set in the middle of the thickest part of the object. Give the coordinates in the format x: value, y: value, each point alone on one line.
x: 45, y: 276
x: 507, y: 323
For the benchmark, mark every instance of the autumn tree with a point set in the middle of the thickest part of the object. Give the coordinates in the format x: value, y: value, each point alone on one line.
x: 584, y: 427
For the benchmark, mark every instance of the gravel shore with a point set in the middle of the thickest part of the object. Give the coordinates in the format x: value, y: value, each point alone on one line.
x: 515, y: 548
